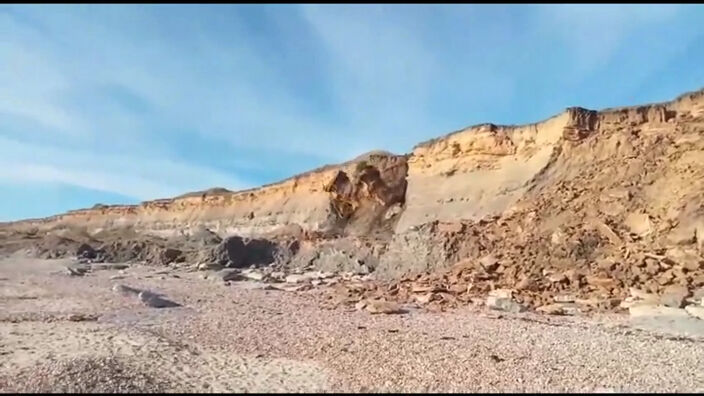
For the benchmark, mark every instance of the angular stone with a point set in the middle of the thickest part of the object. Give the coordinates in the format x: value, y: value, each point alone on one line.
x: 558, y: 237
x: 489, y: 263
x: 297, y: 278
x: 253, y: 275
x: 72, y: 271
x: 601, y: 282
x: 277, y: 276
x: 557, y: 278
x: 526, y: 283
x: 169, y: 256
x: 564, y: 298
x: 559, y: 309
x: 605, y: 264
x: 109, y: 266
x: 239, y: 252
x: 665, y: 278
x: 687, y: 258
x: 618, y: 193
x: 206, y: 266
x: 651, y: 310
x: 427, y: 298
x: 383, y: 307
x: 682, y: 236
x: 639, y: 223
x: 698, y: 295
x: 86, y: 251
x: 450, y: 228
x: 695, y: 310
x: 504, y: 304
x: 422, y: 288
x: 155, y: 301
x: 674, y: 296
x: 652, y: 266
x: 125, y: 290
x: 227, y: 274
x: 501, y: 293
x: 638, y: 294
x: 607, y: 232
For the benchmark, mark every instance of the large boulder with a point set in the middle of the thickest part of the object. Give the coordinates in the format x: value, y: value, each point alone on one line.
x: 203, y: 237
x: 238, y: 252
x: 170, y: 255
x: 86, y: 251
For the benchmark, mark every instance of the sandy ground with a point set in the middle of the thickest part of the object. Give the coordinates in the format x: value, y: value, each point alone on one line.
x: 65, y: 333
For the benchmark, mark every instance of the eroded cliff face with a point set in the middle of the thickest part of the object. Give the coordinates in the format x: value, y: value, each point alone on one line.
x: 341, y: 199
x: 394, y: 214
x: 483, y: 170
x: 567, y: 193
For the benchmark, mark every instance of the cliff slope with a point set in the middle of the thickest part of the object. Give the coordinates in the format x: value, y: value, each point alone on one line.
x: 615, y: 194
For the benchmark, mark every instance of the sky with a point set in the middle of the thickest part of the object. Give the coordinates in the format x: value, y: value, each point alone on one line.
x: 116, y: 104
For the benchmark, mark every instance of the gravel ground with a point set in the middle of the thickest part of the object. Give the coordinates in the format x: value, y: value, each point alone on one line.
x: 76, y: 334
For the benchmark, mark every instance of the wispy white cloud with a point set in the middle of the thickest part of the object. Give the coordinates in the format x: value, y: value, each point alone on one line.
x: 141, y: 178
x: 151, y: 101
x: 593, y: 33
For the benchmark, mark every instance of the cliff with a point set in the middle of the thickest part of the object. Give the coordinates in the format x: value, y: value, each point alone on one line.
x: 352, y: 196
x: 478, y: 172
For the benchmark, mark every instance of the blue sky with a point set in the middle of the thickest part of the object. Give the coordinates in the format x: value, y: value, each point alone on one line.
x: 123, y: 103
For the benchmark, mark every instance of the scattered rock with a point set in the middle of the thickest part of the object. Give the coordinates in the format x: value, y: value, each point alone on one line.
x: 209, y: 266
x: 170, y: 255
x: 489, y: 263
x: 299, y: 278
x: 682, y: 236
x: 239, y: 252
x: 558, y: 237
x: 601, y: 282
x: 427, y: 298
x: 674, y: 296
x: 607, y: 232
x: 618, y: 193
x: 504, y: 304
x: 559, y: 309
x: 526, y: 283
x: 501, y: 293
x: 277, y: 276
x: 695, y: 310
x: 564, y: 298
x: 155, y: 301
x: 81, y: 317
x: 698, y: 295
x: 687, y: 258
x: 125, y: 290
x: 71, y: 271
x: 109, y: 267
x: 383, y: 307
x: 651, y: 310
x: 557, y: 278
x: 86, y: 251
x: 227, y: 274
x: 639, y: 224
x: 253, y: 275
x: 638, y: 294
x: 423, y: 288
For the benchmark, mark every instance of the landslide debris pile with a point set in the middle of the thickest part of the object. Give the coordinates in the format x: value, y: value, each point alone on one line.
x: 585, y: 210
x: 617, y: 214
